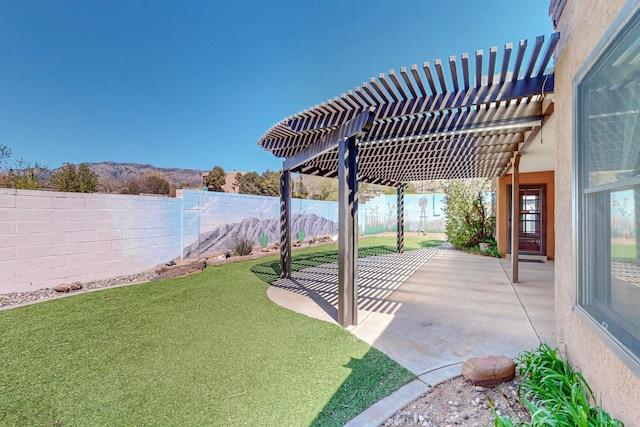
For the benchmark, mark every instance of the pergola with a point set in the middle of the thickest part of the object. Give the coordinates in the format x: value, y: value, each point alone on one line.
x: 472, y: 119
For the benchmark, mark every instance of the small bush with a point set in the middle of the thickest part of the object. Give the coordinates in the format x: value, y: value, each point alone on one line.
x: 555, y: 394
x: 242, y: 246
x: 493, y: 251
x: 301, y: 234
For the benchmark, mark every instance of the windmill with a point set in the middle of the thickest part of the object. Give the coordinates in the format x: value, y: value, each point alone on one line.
x: 423, y: 202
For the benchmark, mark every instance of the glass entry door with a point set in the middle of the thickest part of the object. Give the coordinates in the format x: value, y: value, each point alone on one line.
x: 531, y: 210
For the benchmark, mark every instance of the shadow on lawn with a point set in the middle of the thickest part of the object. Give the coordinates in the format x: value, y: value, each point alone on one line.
x: 372, y: 378
x: 375, y: 375
x: 270, y: 271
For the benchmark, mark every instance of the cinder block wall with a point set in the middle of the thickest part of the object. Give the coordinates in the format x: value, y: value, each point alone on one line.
x: 48, y: 238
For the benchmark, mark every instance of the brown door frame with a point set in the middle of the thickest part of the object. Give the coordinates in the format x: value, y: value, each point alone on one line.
x: 543, y: 217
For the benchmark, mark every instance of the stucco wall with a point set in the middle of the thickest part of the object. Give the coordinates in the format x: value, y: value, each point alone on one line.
x: 582, y: 24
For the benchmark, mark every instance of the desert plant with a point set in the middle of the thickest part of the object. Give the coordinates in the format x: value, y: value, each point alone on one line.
x: 24, y: 176
x: 555, y: 393
x: 242, y: 246
x: 301, y: 234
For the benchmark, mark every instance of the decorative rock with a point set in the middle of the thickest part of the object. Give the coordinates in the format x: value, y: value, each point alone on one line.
x: 62, y: 288
x: 489, y: 371
x: 75, y: 286
x: 183, y: 269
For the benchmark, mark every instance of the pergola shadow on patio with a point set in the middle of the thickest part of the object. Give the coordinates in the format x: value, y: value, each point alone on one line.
x: 316, y: 288
x: 475, y: 120
x: 432, y: 309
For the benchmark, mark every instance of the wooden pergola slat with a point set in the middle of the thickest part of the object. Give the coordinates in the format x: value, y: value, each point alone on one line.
x: 465, y: 125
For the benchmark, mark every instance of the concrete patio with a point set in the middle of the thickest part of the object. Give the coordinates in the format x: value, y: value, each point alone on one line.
x: 432, y: 309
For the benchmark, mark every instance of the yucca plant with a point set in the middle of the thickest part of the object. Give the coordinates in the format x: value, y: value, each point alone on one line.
x: 242, y: 246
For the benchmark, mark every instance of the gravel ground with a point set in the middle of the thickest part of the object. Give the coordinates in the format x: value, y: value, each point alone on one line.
x: 458, y: 402
x: 23, y: 298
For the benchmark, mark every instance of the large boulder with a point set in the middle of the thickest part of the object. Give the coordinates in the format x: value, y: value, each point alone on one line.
x: 489, y: 371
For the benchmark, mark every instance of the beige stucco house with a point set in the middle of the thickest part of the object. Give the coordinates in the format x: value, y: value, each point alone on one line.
x: 597, y: 204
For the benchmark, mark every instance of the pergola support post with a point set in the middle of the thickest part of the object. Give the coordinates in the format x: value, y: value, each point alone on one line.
x: 285, y: 224
x: 348, y: 232
x: 515, y: 217
x: 400, y: 210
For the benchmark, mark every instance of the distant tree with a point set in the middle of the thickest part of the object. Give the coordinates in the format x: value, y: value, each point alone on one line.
x: 148, y: 184
x: 299, y: 189
x: 24, y: 176
x: 266, y: 184
x: 328, y: 190
x: 74, y: 179
x: 249, y: 183
x: 110, y: 184
x: 5, y: 153
x: 156, y: 185
x: 216, y: 179
x: 270, y: 185
x: 87, y: 179
x: 411, y: 189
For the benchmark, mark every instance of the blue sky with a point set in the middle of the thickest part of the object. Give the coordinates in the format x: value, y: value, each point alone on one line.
x: 195, y: 84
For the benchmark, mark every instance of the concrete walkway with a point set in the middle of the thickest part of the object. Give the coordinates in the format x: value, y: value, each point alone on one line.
x: 430, y: 310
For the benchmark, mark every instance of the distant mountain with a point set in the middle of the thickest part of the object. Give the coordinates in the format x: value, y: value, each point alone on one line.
x: 127, y: 171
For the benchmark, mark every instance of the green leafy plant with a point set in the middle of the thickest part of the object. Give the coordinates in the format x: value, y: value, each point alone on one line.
x: 494, y: 252
x: 242, y: 246
x: 468, y: 215
x: 555, y: 394
x: 492, y: 248
x: 301, y: 234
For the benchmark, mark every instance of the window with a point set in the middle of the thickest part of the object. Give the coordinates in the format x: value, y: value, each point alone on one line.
x: 607, y: 152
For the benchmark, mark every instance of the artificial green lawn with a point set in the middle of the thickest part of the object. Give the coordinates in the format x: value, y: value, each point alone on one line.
x: 623, y: 252
x: 208, y: 349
